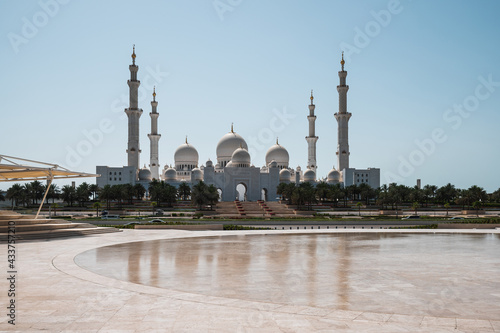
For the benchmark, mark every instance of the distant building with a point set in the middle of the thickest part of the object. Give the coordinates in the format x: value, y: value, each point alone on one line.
x: 233, y: 174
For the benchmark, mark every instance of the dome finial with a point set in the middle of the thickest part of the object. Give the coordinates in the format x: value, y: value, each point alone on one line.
x: 277, y: 141
x: 154, y: 93
x: 186, y: 139
x: 232, y: 128
x: 312, y: 97
x: 133, y: 55
x: 342, y: 62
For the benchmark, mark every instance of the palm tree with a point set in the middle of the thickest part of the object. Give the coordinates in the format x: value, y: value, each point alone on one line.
x: 447, y: 193
x: 322, y: 191
x: 447, y: 206
x: 153, y: 206
x: 97, y: 205
x: 359, y: 204
x: 154, y: 190
x: 280, y: 189
x: 107, y: 195
x: 94, y: 191
x: 68, y: 194
x: 429, y: 193
x: 335, y: 193
x: 415, y: 206
x: 54, y: 206
x: 129, y: 193
x: 37, y: 190
x: 140, y: 191
x: 199, y: 194
x: 366, y: 192
x: 212, y: 195
x: 168, y: 194
x: 53, y: 193
x: 83, y: 193
x: 15, y: 194
x: 477, y: 193
x: 184, y: 191
x: 495, y: 196
x: 477, y: 206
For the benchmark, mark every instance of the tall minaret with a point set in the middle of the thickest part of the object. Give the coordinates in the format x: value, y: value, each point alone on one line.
x: 154, y: 137
x: 312, y: 138
x: 134, y: 113
x: 343, y: 120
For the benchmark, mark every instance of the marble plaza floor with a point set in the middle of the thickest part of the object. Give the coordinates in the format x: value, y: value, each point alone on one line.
x: 182, y: 281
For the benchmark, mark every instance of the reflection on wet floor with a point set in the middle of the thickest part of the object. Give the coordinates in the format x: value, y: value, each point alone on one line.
x: 415, y: 274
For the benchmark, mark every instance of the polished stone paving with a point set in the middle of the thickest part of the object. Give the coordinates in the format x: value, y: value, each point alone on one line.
x: 362, y: 282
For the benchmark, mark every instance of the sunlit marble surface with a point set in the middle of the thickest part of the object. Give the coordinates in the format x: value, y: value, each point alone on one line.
x: 354, y: 282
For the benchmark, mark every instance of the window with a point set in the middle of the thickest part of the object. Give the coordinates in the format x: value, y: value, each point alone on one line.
x: 110, y: 173
x: 120, y: 173
x: 119, y: 179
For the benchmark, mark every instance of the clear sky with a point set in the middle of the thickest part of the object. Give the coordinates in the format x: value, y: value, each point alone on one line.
x: 424, y: 81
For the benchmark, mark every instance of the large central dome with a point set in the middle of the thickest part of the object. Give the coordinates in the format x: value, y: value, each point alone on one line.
x: 227, y: 145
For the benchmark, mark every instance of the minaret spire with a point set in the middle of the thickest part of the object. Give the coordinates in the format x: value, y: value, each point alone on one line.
x: 312, y: 138
x: 343, y: 121
x: 154, y: 138
x: 133, y: 55
x: 133, y: 113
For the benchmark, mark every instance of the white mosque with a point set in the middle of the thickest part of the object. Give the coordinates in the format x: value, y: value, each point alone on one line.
x: 233, y: 174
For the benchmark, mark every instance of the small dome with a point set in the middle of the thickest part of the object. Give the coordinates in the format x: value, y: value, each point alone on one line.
x: 217, y: 166
x: 333, y: 176
x: 230, y: 164
x: 285, y: 175
x: 209, y: 163
x: 186, y: 154
x: 228, y: 144
x: 273, y: 164
x: 309, y: 175
x: 240, y: 156
x: 298, y: 168
x: 279, y: 154
x: 170, y: 174
x: 197, y: 174
x: 145, y: 174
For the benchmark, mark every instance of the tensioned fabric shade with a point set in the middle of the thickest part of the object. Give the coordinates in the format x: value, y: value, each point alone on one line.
x: 15, y: 171
x: 9, y: 173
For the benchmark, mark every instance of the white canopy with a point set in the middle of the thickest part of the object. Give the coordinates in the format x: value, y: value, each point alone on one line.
x: 14, y: 169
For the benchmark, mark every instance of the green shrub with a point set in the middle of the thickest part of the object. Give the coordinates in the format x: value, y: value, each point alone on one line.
x: 240, y: 227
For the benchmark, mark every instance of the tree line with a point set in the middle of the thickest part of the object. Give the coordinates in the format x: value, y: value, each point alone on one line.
x: 387, y: 196
x: 303, y: 194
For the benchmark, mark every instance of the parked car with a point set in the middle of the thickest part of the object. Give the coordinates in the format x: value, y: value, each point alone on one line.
x: 410, y: 217
x: 156, y: 221
x: 456, y: 218
x: 108, y: 217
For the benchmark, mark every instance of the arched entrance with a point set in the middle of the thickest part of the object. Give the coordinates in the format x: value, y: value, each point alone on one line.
x: 241, y: 192
x: 263, y: 194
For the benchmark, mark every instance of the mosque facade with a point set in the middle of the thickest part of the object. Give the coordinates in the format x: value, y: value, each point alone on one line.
x: 233, y: 173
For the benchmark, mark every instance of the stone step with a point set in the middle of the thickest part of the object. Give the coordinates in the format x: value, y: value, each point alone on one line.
x: 18, y: 222
x: 59, y: 233
x: 46, y: 226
